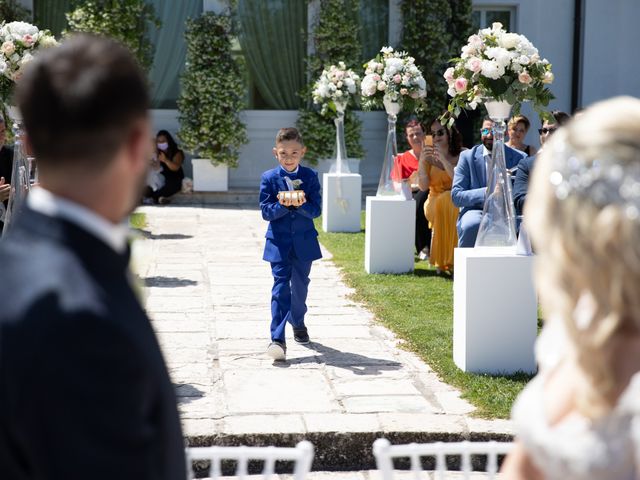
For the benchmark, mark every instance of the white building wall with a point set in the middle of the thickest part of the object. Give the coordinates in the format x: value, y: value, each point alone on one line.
x: 611, y: 40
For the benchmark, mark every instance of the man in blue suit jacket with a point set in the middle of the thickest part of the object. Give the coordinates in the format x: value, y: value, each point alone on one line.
x: 291, y: 239
x: 84, y: 390
x: 470, y: 183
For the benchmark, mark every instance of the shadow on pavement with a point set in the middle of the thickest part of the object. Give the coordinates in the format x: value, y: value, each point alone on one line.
x: 168, y: 282
x: 358, y: 364
x: 163, y: 236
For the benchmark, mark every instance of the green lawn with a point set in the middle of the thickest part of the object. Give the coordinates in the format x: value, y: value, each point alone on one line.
x: 418, y: 307
x: 138, y: 220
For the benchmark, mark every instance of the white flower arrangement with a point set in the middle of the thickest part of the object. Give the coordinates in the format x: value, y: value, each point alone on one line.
x: 18, y: 43
x: 500, y: 65
x: 393, y: 76
x: 335, y: 87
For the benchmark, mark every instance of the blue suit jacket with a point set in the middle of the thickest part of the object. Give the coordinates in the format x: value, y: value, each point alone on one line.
x: 290, y: 228
x: 470, y: 177
x: 521, y: 184
x: 83, y: 385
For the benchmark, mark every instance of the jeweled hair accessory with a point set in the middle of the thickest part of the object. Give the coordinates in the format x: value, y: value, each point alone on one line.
x: 601, y: 182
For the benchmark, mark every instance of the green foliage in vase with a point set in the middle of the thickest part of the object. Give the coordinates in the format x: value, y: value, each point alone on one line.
x: 433, y: 31
x: 12, y: 11
x: 336, y: 38
x: 212, y: 93
x: 127, y: 21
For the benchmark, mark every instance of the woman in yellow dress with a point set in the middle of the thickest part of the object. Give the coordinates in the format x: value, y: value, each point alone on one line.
x: 435, y: 172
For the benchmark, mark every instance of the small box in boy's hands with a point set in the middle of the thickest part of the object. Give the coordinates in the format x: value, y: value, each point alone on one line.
x: 295, y: 198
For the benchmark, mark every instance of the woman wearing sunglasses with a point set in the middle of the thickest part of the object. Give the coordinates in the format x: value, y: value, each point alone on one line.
x: 435, y: 173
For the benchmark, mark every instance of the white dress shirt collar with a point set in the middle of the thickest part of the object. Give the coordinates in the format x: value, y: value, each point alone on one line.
x: 290, y: 173
x: 45, y: 202
x: 485, y: 151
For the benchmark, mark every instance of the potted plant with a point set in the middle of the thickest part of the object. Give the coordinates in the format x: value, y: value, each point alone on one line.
x: 210, y: 102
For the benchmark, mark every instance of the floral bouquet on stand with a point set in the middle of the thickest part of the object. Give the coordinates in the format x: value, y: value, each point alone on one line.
x: 392, y: 80
x: 18, y: 44
x: 500, y: 70
x: 333, y: 90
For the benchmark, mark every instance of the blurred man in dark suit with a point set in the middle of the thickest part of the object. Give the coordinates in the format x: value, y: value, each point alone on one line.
x: 84, y: 391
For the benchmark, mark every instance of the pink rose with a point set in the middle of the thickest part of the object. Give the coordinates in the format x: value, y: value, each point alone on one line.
x: 376, y: 77
x: 460, y: 84
x: 448, y: 75
x: 27, y: 40
x: 474, y: 64
x: 403, y: 91
x: 397, y: 78
x: 524, y: 77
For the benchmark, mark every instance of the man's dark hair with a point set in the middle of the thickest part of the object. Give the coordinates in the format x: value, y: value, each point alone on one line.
x: 289, y: 133
x: 413, y: 122
x: 80, y: 100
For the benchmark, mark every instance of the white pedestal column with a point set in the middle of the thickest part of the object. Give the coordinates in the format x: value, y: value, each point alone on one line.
x: 390, y: 235
x: 494, y: 311
x: 341, y: 202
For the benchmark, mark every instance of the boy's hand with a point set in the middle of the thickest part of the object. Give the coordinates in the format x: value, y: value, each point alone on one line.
x: 5, y: 190
x: 285, y: 200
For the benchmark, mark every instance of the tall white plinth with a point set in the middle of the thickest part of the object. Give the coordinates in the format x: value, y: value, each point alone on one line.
x: 494, y: 311
x: 341, y: 202
x: 389, y: 235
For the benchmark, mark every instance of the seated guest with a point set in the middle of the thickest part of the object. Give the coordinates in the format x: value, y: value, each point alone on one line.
x: 517, y: 128
x: 406, y: 167
x: 6, y: 167
x: 521, y: 183
x: 579, y: 418
x: 435, y: 174
x: 171, y: 159
x: 470, y: 183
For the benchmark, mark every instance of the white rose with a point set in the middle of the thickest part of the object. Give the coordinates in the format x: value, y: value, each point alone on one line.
x: 500, y: 55
x: 548, y: 78
x: 21, y: 29
x: 26, y: 58
x: 3, y: 67
x: 339, y: 93
x: 523, y: 60
x: 422, y: 84
x: 339, y: 84
x: 368, y: 86
x: 448, y: 75
x: 496, y: 26
x: 352, y: 88
x: 509, y: 40
x: 451, y: 92
x: 382, y: 86
x: 386, y: 50
x: 491, y: 69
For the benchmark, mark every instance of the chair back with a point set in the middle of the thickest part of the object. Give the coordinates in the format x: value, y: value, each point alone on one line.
x: 384, y: 453
x: 301, y: 455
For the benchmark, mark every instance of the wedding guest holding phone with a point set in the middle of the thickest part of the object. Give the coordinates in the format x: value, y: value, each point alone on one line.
x: 435, y: 174
x: 289, y: 199
x: 406, y: 169
x: 170, y: 158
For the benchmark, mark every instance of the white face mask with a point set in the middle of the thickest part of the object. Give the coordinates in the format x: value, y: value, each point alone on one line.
x: 163, y: 146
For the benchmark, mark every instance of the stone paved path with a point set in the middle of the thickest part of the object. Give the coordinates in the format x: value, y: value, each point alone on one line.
x: 208, y: 294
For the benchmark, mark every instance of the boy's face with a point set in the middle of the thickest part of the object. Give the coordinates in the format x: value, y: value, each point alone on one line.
x: 289, y: 153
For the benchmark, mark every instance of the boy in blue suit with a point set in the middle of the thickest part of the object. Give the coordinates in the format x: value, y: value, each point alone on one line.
x: 291, y: 239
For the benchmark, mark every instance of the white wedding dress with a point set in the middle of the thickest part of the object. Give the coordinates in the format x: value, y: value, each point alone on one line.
x: 577, y: 448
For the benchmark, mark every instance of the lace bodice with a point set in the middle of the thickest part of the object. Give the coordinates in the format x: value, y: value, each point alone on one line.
x: 577, y: 447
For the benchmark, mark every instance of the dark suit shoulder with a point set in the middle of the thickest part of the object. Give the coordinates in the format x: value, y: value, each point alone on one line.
x: 307, y: 171
x: 271, y: 173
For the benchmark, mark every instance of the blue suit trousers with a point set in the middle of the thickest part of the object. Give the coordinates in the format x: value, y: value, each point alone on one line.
x: 468, y: 225
x: 288, y: 295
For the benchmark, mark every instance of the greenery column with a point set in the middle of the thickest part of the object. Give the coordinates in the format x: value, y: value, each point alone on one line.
x: 336, y: 38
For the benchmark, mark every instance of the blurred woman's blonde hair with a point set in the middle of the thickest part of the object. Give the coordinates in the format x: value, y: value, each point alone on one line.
x: 582, y: 215
x: 515, y: 120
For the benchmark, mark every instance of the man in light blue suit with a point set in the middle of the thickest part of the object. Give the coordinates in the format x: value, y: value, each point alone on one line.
x: 470, y: 183
x: 291, y: 239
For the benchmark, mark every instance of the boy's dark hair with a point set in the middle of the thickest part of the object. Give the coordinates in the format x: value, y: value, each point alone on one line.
x: 560, y: 117
x: 289, y: 133
x: 80, y: 100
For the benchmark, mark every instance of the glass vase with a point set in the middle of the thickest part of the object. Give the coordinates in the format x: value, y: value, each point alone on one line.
x: 21, y: 172
x: 498, y: 226
x: 342, y: 162
x: 391, y: 182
